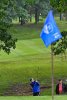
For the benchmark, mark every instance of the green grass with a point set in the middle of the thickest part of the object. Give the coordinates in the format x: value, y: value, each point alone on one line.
x: 33, y: 98
x: 30, y: 58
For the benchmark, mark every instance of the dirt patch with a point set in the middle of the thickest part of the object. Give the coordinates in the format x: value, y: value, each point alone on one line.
x: 22, y: 90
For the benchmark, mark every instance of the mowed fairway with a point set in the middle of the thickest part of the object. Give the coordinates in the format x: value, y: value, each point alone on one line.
x: 30, y: 59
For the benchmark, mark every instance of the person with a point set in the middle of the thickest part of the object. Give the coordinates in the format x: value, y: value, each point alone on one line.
x: 60, y: 87
x: 35, y: 87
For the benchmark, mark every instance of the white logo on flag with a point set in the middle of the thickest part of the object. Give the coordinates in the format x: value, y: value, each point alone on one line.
x: 48, y: 28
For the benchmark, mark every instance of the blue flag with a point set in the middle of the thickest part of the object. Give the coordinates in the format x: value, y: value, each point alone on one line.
x: 50, y: 32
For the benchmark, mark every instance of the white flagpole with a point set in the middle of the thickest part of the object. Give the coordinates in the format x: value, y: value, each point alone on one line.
x: 52, y: 69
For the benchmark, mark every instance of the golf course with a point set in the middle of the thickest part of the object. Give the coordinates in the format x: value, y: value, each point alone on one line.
x: 33, y: 49
x: 31, y: 59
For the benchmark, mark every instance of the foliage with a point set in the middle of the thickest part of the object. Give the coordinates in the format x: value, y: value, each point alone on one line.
x: 44, y: 7
x: 6, y: 40
x: 60, y: 5
x: 21, y: 11
x: 61, y: 45
x: 39, y: 8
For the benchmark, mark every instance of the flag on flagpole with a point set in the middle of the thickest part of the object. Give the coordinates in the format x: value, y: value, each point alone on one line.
x: 50, y: 32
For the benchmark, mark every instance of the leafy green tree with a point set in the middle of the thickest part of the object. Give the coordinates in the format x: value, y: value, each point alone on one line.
x: 44, y: 7
x: 38, y: 8
x: 21, y: 11
x: 59, y: 5
x: 6, y: 40
x: 60, y: 46
x: 41, y: 8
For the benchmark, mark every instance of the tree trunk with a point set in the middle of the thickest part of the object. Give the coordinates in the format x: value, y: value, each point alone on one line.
x: 19, y: 19
x: 22, y: 21
x: 30, y: 16
x: 36, y: 15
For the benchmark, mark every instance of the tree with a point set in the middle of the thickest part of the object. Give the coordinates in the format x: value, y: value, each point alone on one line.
x: 21, y: 11
x: 6, y: 40
x: 59, y: 5
x: 38, y: 7
x: 45, y: 7
x: 41, y: 8
x: 60, y: 46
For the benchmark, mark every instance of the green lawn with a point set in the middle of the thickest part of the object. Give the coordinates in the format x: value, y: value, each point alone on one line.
x: 33, y: 98
x: 30, y: 58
